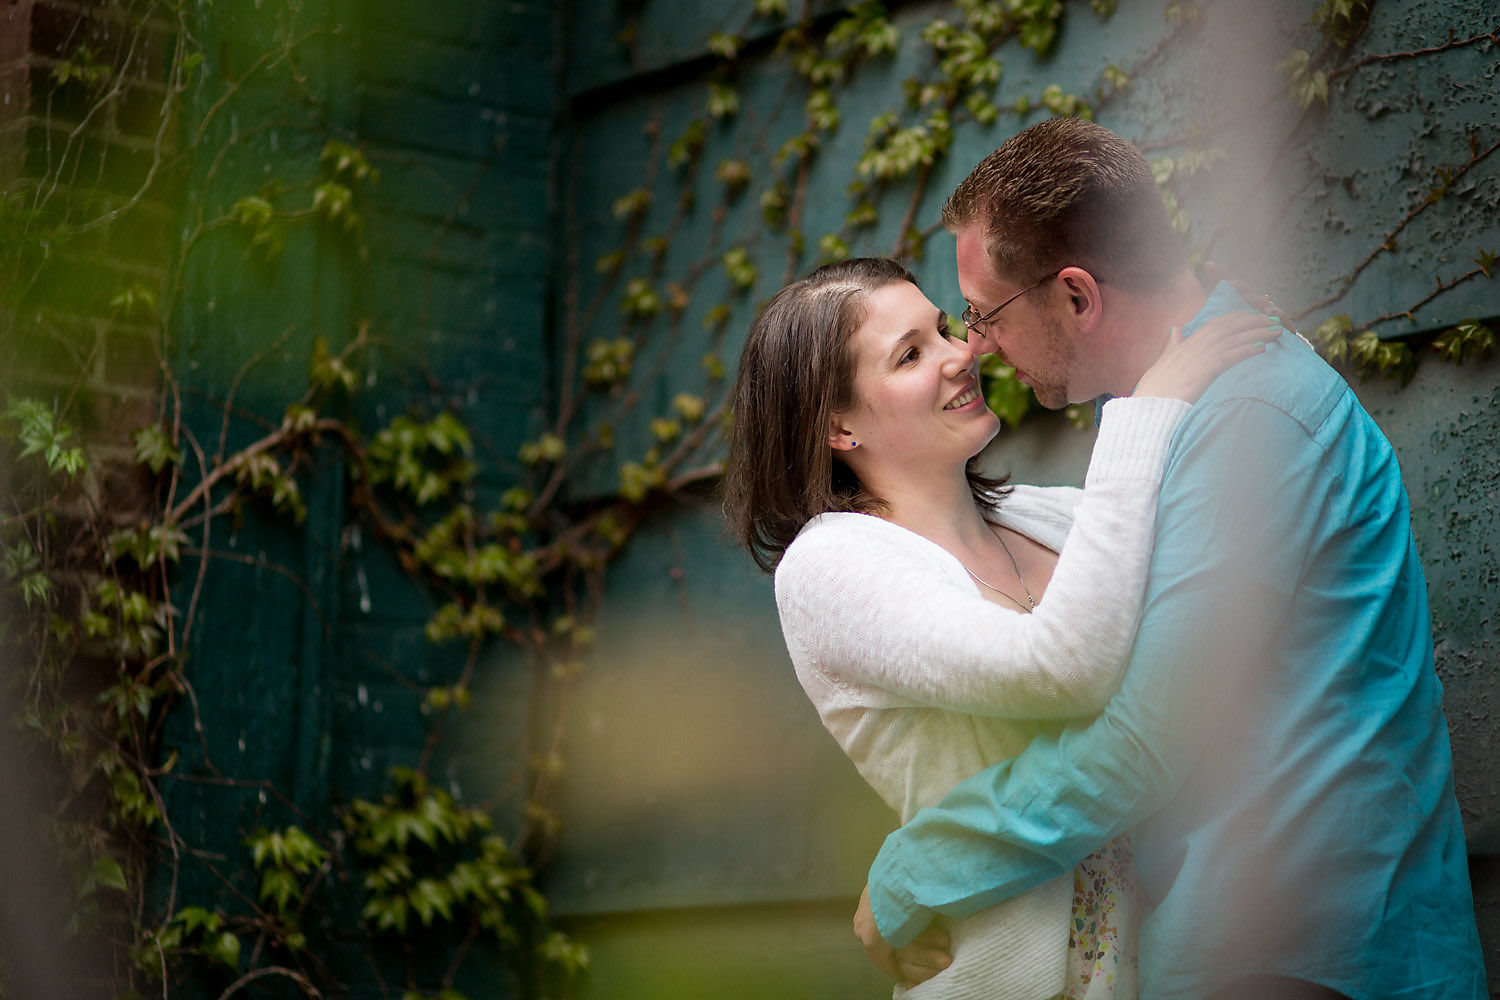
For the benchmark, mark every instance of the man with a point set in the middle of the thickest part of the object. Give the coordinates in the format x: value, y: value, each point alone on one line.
x: 1277, y: 745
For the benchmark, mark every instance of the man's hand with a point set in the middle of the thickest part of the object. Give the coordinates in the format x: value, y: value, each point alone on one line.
x: 919, y: 961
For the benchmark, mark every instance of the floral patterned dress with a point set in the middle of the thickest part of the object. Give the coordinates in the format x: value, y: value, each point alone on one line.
x: 1107, y: 910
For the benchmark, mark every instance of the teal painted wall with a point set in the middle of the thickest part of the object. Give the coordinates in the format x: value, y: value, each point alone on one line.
x: 706, y: 808
x: 306, y: 654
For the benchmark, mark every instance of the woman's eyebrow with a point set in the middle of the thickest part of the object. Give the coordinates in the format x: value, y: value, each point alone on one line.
x: 901, y: 340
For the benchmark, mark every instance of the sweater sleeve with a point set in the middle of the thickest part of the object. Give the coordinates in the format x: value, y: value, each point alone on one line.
x: 868, y: 608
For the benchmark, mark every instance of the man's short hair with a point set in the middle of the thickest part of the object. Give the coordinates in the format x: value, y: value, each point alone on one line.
x: 1067, y: 192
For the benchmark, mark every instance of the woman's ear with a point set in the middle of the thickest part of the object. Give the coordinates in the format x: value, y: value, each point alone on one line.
x: 1084, y: 299
x: 840, y: 437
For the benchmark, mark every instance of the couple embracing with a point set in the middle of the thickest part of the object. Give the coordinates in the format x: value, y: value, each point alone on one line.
x: 1176, y: 734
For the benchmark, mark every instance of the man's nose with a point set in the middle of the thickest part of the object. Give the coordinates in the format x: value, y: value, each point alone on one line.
x: 978, y: 344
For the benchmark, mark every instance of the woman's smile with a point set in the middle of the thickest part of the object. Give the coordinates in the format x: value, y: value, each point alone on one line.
x: 964, y: 398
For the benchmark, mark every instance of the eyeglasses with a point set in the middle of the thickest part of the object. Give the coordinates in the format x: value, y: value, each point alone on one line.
x: 971, y: 319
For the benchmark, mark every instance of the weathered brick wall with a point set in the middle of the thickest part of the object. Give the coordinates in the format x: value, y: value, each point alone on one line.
x: 85, y: 139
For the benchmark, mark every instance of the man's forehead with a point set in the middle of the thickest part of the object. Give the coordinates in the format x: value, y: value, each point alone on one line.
x: 975, y: 272
x: 970, y: 241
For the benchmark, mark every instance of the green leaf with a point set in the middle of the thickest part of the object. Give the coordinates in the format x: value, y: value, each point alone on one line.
x: 822, y: 113
x: 984, y: 110
x: 632, y: 204
x: 108, y: 874
x: 223, y: 948
x: 1115, y: 78
x: 723, y: 101
x: 799, y: 147
x: 85, y: 65
x: 155, y: 449
x: 570, y: 956
x: 277, y: 885
x: 329, y: 371
x: 686, y: 147
x: 1064, y: 105
x: 387, y: 914
x: 346, y: 163
x: 1331, y: 338
x: 734, y: 175
x: 773, y: 203
x: 1469, y: 339
x: 430, y: 896
x: 1341, y: 20
x: 35, y: 588
x: 334, y: 201
x: 39, y: 432
x: 1008, y: 396
x: 640, y: 301
x: 741, y: 270
x: 638, y: 479
x: 724, y: 45
x: 832, y: 247
x: 257, y: 214
x: 196, y: 918
x: 1306, y: 84
x: 689, y: 407
x: 136, y: 300
x: 252, y: 212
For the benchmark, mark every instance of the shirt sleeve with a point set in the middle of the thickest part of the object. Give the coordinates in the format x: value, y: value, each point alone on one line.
x: 869, y: 608
x: 1222, y: 576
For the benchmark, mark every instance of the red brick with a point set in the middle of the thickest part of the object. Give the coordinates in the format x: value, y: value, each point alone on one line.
x: 131, y: 359
x: 127, y: 487
x: 109, y: 415
x: 15, y: 30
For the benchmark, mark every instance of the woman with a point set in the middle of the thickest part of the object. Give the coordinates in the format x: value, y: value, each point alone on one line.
x: 911, y: 588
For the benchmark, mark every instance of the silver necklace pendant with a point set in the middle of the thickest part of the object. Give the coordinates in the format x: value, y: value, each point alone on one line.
x: 1030, y: 604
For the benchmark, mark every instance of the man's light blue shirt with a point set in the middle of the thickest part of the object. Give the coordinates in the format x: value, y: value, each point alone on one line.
x: 1277, y: 747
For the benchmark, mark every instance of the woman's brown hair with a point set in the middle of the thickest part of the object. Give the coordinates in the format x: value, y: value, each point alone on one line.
x: 796, y: 371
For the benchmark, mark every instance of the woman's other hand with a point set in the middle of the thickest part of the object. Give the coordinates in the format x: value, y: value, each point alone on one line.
x: 1190, y: 364
x: 924, y: 957
x: 1254, y: 297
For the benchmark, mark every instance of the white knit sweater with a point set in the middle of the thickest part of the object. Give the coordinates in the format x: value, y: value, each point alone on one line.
x: 924, y: 682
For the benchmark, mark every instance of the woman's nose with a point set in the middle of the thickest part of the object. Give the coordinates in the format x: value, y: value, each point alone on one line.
x: 959, y: 360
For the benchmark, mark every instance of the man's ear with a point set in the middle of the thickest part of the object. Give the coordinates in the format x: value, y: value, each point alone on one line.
x: 1085, y: 301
